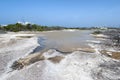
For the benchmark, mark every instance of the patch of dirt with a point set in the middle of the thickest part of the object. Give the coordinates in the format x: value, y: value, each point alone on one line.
x: 89, y: 50
x: 24, y: 36
x: 32, y: 58
x: 56, y: 59
x: 115, y: 55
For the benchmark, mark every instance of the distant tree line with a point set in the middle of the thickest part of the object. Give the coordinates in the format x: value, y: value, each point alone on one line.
x: 28, y: 27
x: 34, y: 27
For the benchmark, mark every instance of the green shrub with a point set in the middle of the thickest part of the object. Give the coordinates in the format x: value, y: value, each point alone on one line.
x: 97, y: 32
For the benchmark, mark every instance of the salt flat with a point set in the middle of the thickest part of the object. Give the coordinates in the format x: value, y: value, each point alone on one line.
x: 76, y: 64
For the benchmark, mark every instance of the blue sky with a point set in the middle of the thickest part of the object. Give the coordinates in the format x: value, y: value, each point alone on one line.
x: 70, y: 13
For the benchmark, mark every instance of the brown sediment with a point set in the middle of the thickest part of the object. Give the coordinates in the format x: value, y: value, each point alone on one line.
x: 32, y: 58
x: 56, y: 59
x: 24, y: 36
x: 105, y: 52
x: 90, y: 50
x: 115, y: 55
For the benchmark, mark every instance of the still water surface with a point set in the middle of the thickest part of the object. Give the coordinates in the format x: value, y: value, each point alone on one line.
x: 65, y: 41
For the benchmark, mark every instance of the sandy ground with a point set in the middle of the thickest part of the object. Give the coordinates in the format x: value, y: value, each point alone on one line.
x: 76, y: 65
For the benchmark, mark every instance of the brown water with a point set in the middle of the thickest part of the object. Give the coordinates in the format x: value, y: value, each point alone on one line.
x: 65, y: 41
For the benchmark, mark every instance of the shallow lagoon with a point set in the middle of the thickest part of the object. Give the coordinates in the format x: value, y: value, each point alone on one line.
x: 64, y: 41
